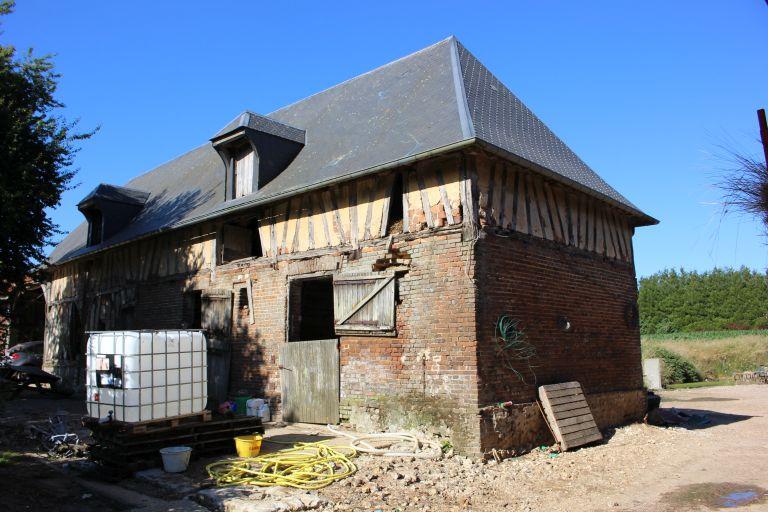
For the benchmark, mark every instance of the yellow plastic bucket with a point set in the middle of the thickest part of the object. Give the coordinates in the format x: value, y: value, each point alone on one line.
x: 248, y: 446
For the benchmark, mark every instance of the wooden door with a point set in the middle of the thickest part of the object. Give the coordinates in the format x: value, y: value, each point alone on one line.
x: 310, y: 381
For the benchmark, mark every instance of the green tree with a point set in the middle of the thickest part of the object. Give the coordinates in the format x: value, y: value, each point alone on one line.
x: 37, y: 148
x: 682, y: 301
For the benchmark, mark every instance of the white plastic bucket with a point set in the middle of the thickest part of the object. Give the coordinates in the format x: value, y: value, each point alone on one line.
x: 176, y: 458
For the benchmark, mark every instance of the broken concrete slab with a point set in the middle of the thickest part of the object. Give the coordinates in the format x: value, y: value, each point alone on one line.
x: 249, y: 499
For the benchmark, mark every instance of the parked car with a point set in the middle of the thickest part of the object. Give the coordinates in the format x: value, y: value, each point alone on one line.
x: 25, y: 354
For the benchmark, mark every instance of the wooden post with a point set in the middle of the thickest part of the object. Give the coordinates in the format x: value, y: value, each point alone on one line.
x: 763, y: 132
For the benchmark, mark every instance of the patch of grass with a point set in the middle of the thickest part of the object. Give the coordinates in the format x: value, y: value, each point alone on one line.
x: 7, y: 458
x: 704, y: 335
x: 716, y: 358
x: 702, y: 384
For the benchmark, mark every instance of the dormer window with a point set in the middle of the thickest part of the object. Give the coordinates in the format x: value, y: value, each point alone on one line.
x: 95, y: 225
x: 242, y: 170
x: 108, y: 209
x: 254, y: 150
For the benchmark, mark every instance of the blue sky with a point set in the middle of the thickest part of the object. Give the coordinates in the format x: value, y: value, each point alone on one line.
x: 645, y: 92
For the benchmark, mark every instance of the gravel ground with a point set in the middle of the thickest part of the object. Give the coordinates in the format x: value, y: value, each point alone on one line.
x: 638, y: 467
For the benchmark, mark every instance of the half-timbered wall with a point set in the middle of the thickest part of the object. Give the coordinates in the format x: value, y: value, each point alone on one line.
x: 513, y: 198
x: 357, y: 211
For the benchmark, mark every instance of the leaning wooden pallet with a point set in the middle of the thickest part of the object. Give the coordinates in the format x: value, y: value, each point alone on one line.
x: 568, y: 414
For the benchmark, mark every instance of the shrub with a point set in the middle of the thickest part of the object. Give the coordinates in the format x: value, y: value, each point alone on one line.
x: 675, y: 369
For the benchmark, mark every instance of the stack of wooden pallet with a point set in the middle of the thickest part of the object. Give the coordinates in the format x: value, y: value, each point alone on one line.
x: 133, y: 446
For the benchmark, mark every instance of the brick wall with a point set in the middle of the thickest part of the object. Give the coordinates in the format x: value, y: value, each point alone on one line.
x: 159, y: 305
x: 543, y: 285
x: 424, y: 375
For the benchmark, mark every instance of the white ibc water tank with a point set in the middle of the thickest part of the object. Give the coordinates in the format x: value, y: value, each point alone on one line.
x: 146, y: 375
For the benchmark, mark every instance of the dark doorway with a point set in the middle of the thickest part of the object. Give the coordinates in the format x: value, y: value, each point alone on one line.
x: 193, y: 309
x: 395, y: 217
x: 311, y: 309
x: 77, y: 339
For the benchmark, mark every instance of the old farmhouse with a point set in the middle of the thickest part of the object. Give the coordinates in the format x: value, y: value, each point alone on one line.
x: 410, y: 247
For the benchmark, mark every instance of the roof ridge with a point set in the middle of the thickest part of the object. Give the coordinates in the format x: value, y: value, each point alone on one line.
x: 465, y: 116
x: 361, y: 75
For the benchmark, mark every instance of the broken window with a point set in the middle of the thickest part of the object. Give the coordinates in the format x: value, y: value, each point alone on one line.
x: 395, y: 217
x: 364, y: 303
x: 242, y: 298
x: 240, y: 241
x: 311, y: 309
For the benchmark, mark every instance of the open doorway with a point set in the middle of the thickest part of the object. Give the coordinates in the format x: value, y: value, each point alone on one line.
x: 395, y: 215
x: 311, y: 309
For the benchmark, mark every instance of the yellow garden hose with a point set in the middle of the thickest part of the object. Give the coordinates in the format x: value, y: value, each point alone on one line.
x: 306, y: 466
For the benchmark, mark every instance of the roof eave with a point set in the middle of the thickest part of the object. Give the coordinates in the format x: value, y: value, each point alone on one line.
x: 260, y: 201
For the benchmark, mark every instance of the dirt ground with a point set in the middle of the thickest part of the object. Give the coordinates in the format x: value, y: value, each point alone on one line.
x: 719, y: 464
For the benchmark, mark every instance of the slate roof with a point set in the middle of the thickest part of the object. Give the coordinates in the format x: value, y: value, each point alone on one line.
x: 435, y: 100
x: 117, y: 194
x: 263, y: 124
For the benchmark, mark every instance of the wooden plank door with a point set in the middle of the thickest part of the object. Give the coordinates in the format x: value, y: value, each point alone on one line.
x: 309, y: 378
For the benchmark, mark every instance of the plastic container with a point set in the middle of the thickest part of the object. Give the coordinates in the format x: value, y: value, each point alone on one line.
x: 264, y: 413
x: 248, y: 446
x: 242, y: 407
x: 175, y: 458
x: 146, y: 375
x: 252, y: 406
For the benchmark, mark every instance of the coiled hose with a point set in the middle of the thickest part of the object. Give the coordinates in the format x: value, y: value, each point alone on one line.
x: 307, y: 466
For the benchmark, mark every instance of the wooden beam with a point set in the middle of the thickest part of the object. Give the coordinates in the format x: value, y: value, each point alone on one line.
x: 425, y: 200
x: 467, y: 191
x: 389, y: 183
x: 599, y: 228
x: 520, y: 208
x: 249, y: 290
x: 564, y: 211
x: 444, y: 197
x: 369, y: 211
x: 591, y: 225
x: 337, y: 215
x: 352, y: 195
x: 310, y: 227
x: 317, y: 205
x: 406, y: 202
x: 490, y: 206
x: 286, y: 220
x: 504, y: 193
x: 272, y: 236
x: 554, y: 216
x: 533, y: 208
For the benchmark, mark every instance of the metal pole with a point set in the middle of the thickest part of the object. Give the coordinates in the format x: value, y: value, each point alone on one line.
x: 763, y: 132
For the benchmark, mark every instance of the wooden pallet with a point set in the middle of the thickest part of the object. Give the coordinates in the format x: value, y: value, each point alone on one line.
x: 127, y: 449
x: 164, y: 424
x: 568, y: 414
